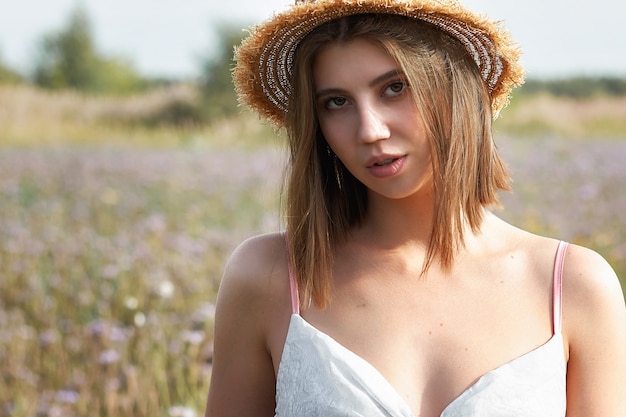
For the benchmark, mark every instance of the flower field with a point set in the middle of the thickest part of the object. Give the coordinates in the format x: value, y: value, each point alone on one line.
x: 109, y: 264
x: 111, y: 255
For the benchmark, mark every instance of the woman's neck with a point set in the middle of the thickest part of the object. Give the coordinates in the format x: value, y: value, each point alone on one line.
x: 398, y: 222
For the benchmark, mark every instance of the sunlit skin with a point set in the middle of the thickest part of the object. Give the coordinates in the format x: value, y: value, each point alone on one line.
x: 369, y: 119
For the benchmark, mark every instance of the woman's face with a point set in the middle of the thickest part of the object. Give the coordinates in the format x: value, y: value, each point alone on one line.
x: 368, y: 116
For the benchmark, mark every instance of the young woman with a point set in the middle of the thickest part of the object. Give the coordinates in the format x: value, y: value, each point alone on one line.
x: 394, y: 290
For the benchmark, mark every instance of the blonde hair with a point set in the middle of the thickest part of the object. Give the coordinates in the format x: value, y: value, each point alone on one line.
x: 324, y: 201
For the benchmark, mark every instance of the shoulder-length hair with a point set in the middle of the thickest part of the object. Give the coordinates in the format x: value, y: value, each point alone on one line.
x: 324, y: 201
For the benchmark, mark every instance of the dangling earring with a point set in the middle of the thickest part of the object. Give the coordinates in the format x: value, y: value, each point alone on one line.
x: 336, y: 167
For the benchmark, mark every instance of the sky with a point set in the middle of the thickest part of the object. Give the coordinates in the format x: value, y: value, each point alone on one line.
x: 170, y: 38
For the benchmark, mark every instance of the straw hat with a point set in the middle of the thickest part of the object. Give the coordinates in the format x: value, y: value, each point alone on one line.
x: 264, y: 59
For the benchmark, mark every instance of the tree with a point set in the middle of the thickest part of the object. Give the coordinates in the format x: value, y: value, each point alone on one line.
x: 69, y: 59
x: 9, y: 76
x: 216, y: 86
x: 577, y: 87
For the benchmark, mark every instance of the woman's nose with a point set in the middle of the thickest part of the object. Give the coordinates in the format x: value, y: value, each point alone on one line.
x: 372, y: 125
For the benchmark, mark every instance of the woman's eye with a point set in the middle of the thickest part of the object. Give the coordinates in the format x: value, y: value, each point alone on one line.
x: 395, y: 88
x: 336, y: 102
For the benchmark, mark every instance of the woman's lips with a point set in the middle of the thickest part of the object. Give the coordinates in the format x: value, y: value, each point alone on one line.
x: 386, y: 166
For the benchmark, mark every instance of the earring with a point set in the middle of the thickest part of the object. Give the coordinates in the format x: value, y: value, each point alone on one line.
x: 336, y: 167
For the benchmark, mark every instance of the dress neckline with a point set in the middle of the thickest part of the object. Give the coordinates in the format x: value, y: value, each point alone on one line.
x: 555, y: 338
x: 297, y: 318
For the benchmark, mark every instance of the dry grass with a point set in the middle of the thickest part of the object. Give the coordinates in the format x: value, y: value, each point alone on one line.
x: 33, y: 117
x: 565, y: 117
x: 30, y: 117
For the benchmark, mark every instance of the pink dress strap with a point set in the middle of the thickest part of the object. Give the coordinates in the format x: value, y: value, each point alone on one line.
x: 293, y: 285
x: 557, y: 286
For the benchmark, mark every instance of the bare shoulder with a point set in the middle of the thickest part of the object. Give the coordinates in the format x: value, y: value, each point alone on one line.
x: 593, y: 299
x: 252, y: 311
x: 253, y: 265
x: 590, y: 284
x: 594, y: 327
x: 254, y: 284
x: 588, y: 279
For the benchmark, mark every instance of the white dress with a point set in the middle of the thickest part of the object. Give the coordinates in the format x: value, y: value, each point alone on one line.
x: 317, y: 376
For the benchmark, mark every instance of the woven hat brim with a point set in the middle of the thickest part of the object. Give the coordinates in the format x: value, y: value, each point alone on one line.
x: 263, y: 73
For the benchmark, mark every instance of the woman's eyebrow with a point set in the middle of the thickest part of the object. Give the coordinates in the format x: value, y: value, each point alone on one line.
x: 380, y: 79
x: 386, y: 76
x: 329, y: 92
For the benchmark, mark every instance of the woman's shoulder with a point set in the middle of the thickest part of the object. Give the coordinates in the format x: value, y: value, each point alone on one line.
x: 586, y: 274
x: 591, y: 291
x: 594, y: 326
x: 584, y: 270
x: 590, y: 286
x: 257, y: 267
x: 585, y: 266
x: 253, y: 296
x: 251, y: 319
x: 259, y: 253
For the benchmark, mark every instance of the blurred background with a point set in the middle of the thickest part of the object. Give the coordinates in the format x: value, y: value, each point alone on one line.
x: 128, y: 174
